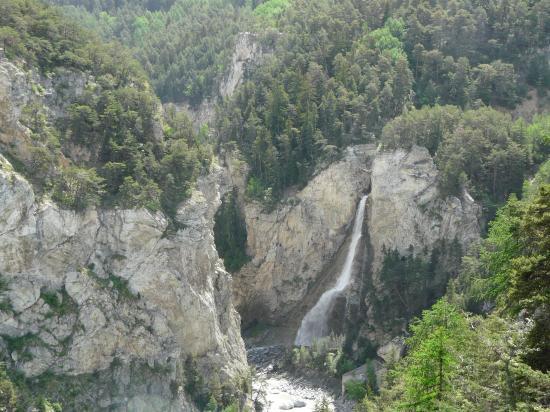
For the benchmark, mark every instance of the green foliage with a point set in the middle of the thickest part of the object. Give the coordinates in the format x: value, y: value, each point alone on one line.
x: 372, y: 381
x: 121, y: 286
x: 194, y: 383
x: 40, y: 35
x: 403, y: 275
x: 481, y: 367
x: 510, y: 267
x: 184, y: 45
x: 435, y: 346
x: 271, y: 9
x: 387, y: 39
x: 78, y: 188
x: 454, y: 58
x: 212, y: 405
x: 60, y: 303
x: 230, y: 233
x: 482, y: 150
x: 117, y: 284
x: 355, y: 390
x: 531, y: 187
x: 322, y: 405
x: 46, y: 406
x: 495, y: 256
x: 21, y: 344
x: 488, y: 150
x: 344, y: 364
x: 112, y: 128
x: 538, y: 138
x: 427, y: 127
x: 180, y: 167
x: 530, y: 276
x: 413, y: 281
x: 5, y: 304
x: 457, y: 361
x: 234, y: 407
x: 325, y: 355
x: 338, y: 72
x: 312, y: 98
x: 8, y: 393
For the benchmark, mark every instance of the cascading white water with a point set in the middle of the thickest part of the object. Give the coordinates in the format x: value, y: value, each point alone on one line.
x: 315, y: 323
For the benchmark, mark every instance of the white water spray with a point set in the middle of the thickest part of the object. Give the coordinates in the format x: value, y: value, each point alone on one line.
x: 315, y: 323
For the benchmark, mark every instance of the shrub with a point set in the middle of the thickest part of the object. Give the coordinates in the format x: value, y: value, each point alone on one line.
x: 230, y: 233
x: 8, y: 395
x: 78, y: 188
x: 355, y: 390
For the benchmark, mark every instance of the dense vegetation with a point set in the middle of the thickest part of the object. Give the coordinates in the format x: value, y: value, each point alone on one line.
x: 482, y: 150
x: 412, y: 282
x: 341, y: 70
x: 10, y: 397
x: 443, y: 75
x: 230, y: 233
x: 130, y: 159
x: 184, y: 46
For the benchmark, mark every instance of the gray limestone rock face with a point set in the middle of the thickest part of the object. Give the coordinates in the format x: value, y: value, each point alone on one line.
x: 405, y: 206
x: 91, y: 290
x: 247, y: 50
x: 407, y: 214
x: 247, y: 53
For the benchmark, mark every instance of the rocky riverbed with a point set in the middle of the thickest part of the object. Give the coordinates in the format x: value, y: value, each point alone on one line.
x: 276, y: 388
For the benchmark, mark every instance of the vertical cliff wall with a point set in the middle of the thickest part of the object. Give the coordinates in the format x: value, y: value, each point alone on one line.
x: 415, y: 241
x: 108, y: 290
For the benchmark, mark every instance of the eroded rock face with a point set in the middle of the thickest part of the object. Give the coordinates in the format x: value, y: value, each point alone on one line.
x: 405, y: 207
x: 247, y: 51
x: 291, y: 245
x: 104, y: 289
x: 20, y: 88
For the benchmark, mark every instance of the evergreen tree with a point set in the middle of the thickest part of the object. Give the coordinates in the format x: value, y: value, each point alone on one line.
x: 435, y: 346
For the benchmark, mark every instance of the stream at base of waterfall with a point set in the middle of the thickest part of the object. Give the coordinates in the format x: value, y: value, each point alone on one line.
x: 276, y: 388
x: 315, y: 323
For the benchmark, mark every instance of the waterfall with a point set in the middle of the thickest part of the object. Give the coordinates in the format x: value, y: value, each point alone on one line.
x: 315, y: 323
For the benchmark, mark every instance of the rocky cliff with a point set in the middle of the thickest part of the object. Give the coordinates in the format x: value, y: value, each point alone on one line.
x: 247, y: 52
x: 110, y: 294
x: 407, y: 215
x: 116, y: 295
x: 405, y: 207
x: 107, y: 290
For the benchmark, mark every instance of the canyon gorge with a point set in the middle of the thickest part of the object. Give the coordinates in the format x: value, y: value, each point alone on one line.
x: 237, y: 206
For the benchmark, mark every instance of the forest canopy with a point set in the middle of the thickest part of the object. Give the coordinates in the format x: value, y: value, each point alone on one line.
x: 136, y: 158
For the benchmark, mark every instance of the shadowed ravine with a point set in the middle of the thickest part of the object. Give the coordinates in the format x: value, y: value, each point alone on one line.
x: 315, y: 323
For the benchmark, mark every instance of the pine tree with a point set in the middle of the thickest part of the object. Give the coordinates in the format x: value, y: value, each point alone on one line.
x: 435, y: 346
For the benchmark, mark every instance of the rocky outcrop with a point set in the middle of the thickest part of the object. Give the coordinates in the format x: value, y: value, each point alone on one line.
x: 108, y: 292
x: 247, y: 52
x: 291, y: 245
x: 28, y: 97
x: 406, y: 209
